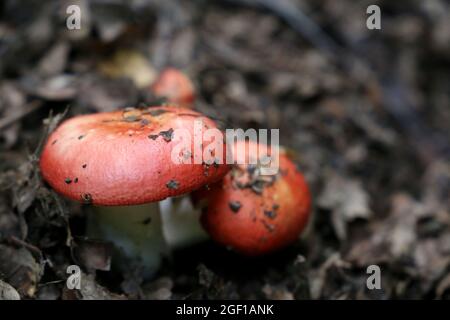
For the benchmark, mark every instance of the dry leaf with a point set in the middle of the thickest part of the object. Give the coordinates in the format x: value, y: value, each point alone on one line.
x: 7, y: 292
x: 20, y: 269
x: 346, y: 199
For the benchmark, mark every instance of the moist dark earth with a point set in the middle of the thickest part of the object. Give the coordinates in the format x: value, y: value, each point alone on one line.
x: 364, y: 113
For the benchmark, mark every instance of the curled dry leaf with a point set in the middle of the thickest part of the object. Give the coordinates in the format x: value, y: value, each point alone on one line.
x: 392, y: 239
x: 56, y: 88
x: 20, y: 269
x: 55, y: 60
x: 7, y: 292
x: 346, y: 199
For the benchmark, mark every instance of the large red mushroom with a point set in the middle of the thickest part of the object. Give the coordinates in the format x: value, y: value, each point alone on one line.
x: 129, y: 158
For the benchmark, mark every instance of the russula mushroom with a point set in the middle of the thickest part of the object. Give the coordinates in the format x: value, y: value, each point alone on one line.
x: 256, y: 214
x: 124, y: 162
x: 175, y: 86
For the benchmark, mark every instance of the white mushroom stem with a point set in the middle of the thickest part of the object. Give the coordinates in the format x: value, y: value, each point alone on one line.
x: 144, y: 234
x: 136, y: 232
x: 181, y: 222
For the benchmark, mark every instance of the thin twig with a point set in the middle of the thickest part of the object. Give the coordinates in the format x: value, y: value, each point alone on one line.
x: 17, y: 241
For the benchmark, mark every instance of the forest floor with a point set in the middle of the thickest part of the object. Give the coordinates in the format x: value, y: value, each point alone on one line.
x: 364, y: 113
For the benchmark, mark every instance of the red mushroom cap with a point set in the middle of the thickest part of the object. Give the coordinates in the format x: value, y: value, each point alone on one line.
x: 175, y: 86
x: 125, y: 157
x: 255, y: 214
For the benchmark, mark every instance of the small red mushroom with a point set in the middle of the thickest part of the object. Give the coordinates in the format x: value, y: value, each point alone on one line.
x: 129, y: 158
x: 175, y: 86
x: 255, y: 214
